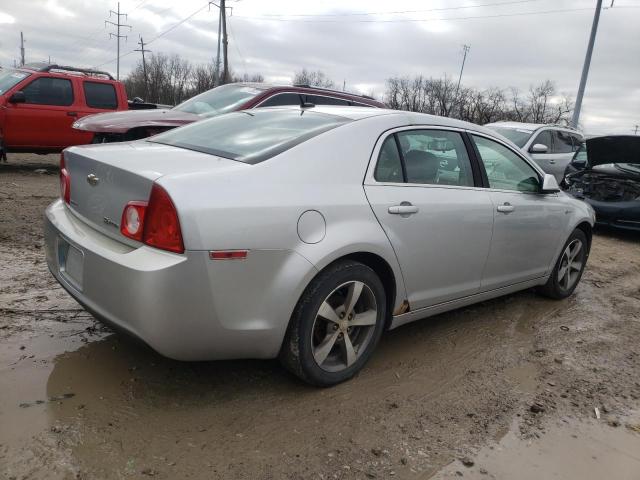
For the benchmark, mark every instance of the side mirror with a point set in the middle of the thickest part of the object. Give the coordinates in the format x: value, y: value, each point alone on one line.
x: 539, y: 148
x: 18, y: 97
x: 549, y: 184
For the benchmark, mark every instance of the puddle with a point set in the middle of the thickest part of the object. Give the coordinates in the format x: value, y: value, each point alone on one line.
x: 590, y: 450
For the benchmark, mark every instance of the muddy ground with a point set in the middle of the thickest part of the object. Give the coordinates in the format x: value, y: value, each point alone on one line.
x: 503, y: 389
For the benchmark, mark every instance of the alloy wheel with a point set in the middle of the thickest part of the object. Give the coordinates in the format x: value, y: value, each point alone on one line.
x: 344, y: 326
x: 571, y: 265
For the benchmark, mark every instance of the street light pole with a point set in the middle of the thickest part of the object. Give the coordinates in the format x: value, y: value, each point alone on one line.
x: 587, y: 64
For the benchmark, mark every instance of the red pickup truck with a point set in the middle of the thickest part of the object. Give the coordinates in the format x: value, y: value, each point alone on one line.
x: 39, y: 103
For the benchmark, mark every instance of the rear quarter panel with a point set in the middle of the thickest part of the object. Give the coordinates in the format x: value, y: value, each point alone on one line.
x: 259, y: 207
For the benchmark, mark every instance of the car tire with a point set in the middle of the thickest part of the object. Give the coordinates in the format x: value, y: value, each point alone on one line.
x: 568, y: 269
x: 325, y: 351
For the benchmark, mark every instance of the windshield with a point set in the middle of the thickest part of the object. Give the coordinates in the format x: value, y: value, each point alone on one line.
x: 519, y: 136
x: 251, y: 137
x: 10, y: 78
x: 223, y: 99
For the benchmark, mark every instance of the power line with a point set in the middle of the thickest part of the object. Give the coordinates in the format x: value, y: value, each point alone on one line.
x: 348, y: 14
x: 117, y: 35
x: 405, y: 20
x: 173, y: 27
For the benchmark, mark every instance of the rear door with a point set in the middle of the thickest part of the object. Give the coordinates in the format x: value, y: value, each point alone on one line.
x: 527, y: 224
x: 424, y: 191
x: 562, y: 153
x: 44, y: 119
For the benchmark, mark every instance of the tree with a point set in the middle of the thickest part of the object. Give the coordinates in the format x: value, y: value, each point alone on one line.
x: 316, y: 79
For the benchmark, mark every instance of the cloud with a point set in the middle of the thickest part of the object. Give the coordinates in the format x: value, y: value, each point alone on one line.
x: 277, y: 38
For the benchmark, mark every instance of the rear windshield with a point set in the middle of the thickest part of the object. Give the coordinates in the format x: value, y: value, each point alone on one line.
x: 223, y: 99
x: 251, y: 136
x: 519, y: 136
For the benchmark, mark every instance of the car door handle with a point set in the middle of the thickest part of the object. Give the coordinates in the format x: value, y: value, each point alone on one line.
x: 506, y: 208
x: 552, y: 162
x: 403, y: 209
x: 72, y: 114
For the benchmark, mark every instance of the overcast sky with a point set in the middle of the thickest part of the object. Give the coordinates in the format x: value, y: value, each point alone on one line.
x: 513, y: 43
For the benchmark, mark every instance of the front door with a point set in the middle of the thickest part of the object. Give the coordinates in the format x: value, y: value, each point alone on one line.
x: 527, y: 224
x: 44, y: 119
x: 423, y: 193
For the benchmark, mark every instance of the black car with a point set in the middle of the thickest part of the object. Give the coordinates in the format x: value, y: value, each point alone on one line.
x: 605, y: 173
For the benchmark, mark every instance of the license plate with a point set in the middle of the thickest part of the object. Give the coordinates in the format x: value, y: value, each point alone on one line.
x: 71, y: 261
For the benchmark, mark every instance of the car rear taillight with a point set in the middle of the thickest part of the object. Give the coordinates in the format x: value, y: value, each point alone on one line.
x: 154, y: 223
x: 132, y: 223
x: 65, y: 181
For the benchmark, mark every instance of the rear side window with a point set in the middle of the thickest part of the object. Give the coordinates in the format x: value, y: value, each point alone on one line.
x: 49, y: 91
x: 578, y: 141
x: 562, y: 142
x: 281, y: 100
x: 100, y: 95
x: 505, y: 169
x: 320, y: 100
x: 251, y: 136
x: 430, y: 157
x: 389, y: 166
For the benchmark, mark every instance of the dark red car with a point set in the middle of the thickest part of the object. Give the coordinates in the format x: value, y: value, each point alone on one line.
x: 133, y: 125
x: 39, y: 103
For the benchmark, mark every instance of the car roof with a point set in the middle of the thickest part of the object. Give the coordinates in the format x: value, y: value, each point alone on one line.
x: 529, y: 126
x: 408, y: 118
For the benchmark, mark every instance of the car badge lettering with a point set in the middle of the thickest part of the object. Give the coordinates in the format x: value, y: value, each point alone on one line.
x: 92, y: 180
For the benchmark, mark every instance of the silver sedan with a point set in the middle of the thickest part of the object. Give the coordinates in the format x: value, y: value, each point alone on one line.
x: 306, y: 233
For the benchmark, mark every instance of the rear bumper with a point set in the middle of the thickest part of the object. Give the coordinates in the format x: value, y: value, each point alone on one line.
x: 186, y: 307
x: 625, y: 215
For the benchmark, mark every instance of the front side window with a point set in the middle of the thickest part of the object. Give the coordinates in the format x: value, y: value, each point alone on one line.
x: 49, y: 91
x: 543, y: 138
x: 10, y: 78
x: 251, y: 136
x: 100, y: 95
x: 505, y: 169
x: 222, y: 99
x: 562, y: 143
x: 282, y: 99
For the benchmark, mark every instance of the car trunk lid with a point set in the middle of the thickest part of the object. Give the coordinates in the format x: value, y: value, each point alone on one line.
x: 105, y: 178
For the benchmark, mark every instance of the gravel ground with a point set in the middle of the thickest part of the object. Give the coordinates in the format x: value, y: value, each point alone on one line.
x: 491, y: 391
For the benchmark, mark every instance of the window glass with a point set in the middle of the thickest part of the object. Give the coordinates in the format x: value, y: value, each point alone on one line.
x: 562, y: 143
x: 282, y: 99
x: 251, y: 136
x: 320, y: 100
x: 100, y: 95
x: 505, y: 169
x: 435, y: 157
x: 543, y: 138
x: 578, y: 141
x: 222, y: 99
x: 9, y: 78
x: 389, y: 166
x: 519, y: 136
x: 49, y: 91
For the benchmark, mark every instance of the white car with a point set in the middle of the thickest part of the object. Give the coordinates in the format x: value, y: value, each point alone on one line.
x: 306, y: 233
x: 551, y: 146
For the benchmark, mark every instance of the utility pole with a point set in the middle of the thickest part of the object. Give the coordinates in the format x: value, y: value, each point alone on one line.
x: 144, y: 67
x: 466, y: 49
x: 117, y: 35
x: 587, y: 63
x: 219, y: 43
x: 636, y: 132
x: 225, y: 41
x: 21, y: 49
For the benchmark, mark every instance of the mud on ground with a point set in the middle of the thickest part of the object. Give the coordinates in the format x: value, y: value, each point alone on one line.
x: 503, y: 389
